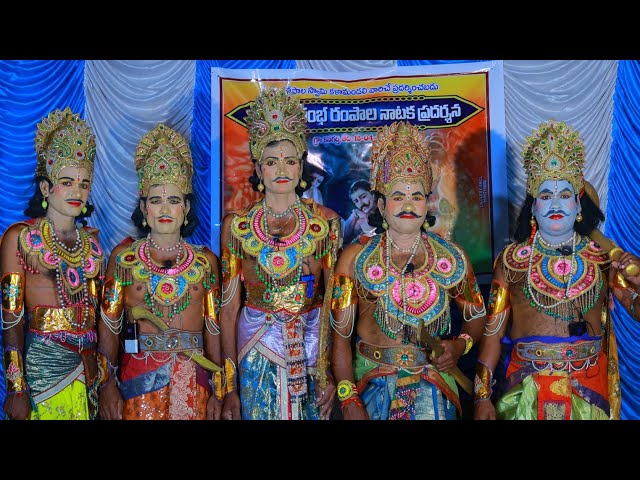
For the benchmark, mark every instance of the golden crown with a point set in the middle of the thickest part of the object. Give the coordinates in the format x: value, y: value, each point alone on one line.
x: 400, y: 151
x: 553, y: 152
x: 274, y: 116
x: 162, y: 157
x: 62, y: 140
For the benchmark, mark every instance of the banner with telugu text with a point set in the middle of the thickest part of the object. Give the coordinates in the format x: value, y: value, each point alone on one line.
x: 459, y: 107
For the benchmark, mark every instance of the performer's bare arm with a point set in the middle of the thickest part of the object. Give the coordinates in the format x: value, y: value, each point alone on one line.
x: 498, y: 313
x: 17, y: 404
x: 231, y: 296
x: 110, y: 324
x: 344, y: 311
x: 211, y: 333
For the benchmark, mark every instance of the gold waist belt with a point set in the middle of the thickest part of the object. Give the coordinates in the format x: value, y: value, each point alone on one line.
x: 293, y: 299
x: 53, y: 319
x: 402, y: 356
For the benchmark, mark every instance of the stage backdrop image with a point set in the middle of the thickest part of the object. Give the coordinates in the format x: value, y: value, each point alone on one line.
x: 460, y: 109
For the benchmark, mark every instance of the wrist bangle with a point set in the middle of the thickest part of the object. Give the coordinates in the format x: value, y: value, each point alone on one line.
x: 355, y: 399
x: 468, y: 342
x: 346, y: 390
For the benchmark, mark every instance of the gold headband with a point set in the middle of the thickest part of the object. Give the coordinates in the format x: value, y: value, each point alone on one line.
x: 62, y: 140
x: 553, y: 152
x: 400, y: 151
x: 163, y: 157
x: 275, y: 116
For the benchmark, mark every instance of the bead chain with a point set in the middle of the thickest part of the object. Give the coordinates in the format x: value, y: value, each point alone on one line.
x: 566, y: 289
x: 268, y: 210
x: 62, y: 296
x: 413, y: 250
x: 163, y: 249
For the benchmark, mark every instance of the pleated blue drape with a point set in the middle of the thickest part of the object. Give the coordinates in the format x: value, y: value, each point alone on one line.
x: 623, y: 220
x: 29, y: 90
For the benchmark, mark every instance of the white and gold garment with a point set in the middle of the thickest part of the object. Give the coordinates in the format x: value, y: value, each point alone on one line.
x: 279, y: 326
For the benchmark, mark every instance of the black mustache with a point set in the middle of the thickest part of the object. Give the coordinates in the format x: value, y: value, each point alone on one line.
x: 282, y: 178
x: 413, y: 214
x: 555, y: 212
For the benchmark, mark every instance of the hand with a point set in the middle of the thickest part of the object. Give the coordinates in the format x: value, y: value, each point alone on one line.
x: 325, y: 398
x: 231, y: 407
x: 354, y: 412
x: 110, y: 401
x: 625, y: 259
x: 17, y: 406
x: 359, y: 214
x: 484, y: 410
x: 453, y: 350
x: 214, y: 408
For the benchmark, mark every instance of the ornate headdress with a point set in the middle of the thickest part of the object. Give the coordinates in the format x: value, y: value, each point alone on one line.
x: 275, y: 116
x: 553, y: 152
x: 163, y: 156
x: 62, y: 140
x: 400, y: 151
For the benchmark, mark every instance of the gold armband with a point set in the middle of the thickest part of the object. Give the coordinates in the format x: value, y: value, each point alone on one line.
x: 471, y: 292
x: 14, y: 372
x: 12, y: 292
x: 229, y: 375
x: 483, y: 382
x: 231, y: 265
x: 344, y: 293
x: 498, y: 298
x: 499, y: 308
x: 212, y: 306
x: 112, y: 298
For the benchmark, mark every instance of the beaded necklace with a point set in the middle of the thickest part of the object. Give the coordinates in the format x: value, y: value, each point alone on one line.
x: 279, y: 259
x: 166, y: 287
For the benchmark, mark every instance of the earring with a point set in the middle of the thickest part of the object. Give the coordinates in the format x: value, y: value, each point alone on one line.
x: 534, y: 228
x: 186, y: 221
x: 84, y: 209
x: 579, y: 217
x: 425, y: 225
x: 260, y: 186
x: 303, y: 184
x: 144, y: 222
x: 385, y: 225
x: 44, y: 203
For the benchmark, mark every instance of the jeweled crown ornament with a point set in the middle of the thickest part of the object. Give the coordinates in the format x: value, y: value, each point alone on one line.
x: 163, y: 157
x: 400, y: 151
x: 553, y: 152
x: 274, y: 116
x: 62, y: 140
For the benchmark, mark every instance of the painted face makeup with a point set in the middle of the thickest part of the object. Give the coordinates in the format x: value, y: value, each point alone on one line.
x: 166, y: 209
x: 555, y: 209
x: 71, y: 191
x: 280, y: 167
x: 406, y: 207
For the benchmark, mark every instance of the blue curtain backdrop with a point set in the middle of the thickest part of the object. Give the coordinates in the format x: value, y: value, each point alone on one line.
x: 622, y: 219
x: 30, y: 89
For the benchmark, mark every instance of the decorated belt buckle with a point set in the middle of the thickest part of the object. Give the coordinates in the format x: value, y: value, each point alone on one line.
x: 172, y: 342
